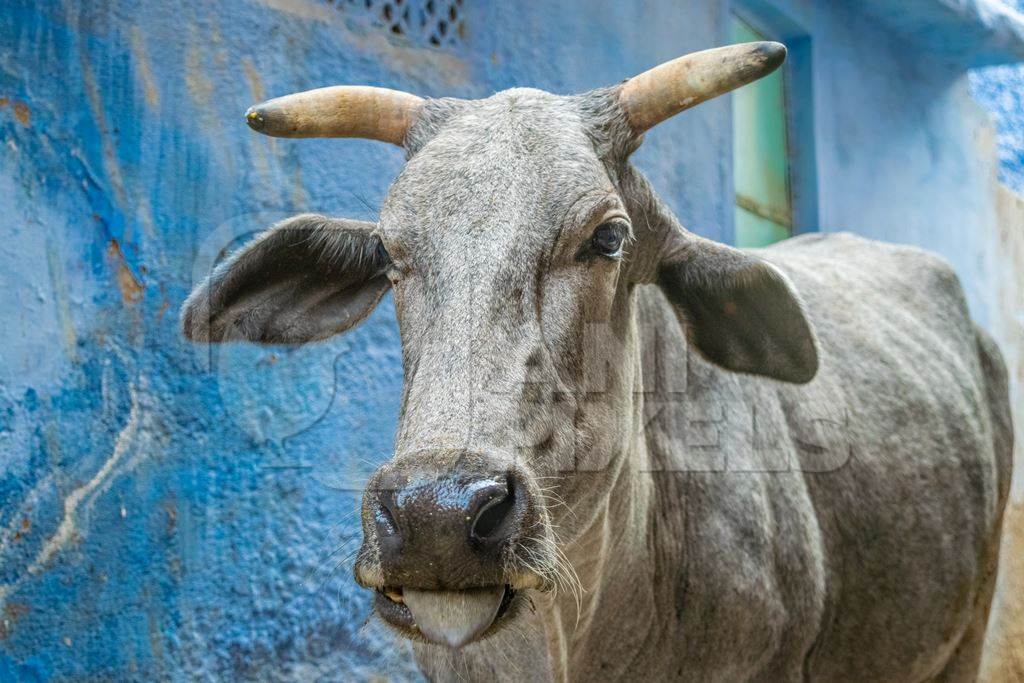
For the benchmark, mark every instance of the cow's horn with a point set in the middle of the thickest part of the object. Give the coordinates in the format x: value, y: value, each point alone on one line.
x: 341, y: 111
x: 672, y: 87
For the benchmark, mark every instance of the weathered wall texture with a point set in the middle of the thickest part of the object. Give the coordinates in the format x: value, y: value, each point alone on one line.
x: 1005, y: 653
x: 1000, y: 89
x: 168, y: 511
x: 164, y: 510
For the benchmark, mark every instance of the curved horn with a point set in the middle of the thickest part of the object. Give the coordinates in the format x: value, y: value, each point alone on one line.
x: 672, y: 87
x: 341, y: 111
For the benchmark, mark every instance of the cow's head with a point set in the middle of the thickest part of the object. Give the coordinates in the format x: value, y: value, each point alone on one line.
x: 512, y: 241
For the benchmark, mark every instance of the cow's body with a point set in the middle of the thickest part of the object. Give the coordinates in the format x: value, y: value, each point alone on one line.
x: 854, y: 537
x: 776, y: 465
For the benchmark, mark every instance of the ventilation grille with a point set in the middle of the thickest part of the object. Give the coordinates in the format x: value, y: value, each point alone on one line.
x: 423, y: 22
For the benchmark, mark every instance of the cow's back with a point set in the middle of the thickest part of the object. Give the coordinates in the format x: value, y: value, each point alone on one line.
x: 879, y: 479
x: 911, y: 519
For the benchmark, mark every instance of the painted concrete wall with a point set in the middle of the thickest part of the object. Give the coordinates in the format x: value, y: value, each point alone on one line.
x: 1004, y: 660
x: 165, y: 511
x: 1000, y: 90
x: 169, y: 511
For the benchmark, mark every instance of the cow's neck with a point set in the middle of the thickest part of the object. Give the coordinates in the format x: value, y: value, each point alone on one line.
x: 614, y: 562
x: 628, y: 572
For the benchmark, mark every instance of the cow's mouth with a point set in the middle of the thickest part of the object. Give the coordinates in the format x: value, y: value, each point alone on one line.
x: 450, y: 618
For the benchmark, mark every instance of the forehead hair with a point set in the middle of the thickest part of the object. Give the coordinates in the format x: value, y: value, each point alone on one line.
x: 519, y: 156
x: 532, y: 116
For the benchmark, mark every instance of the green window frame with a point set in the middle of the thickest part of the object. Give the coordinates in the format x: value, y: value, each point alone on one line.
x: 761, y: 154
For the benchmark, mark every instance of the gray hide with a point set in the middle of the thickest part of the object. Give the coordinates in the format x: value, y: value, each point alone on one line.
x: 703, y: 509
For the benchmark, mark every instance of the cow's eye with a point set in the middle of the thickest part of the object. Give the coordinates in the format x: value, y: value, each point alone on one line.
x: 609, y: 238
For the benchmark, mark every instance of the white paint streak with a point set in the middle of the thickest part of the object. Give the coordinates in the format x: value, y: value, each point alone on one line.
x: 83, y: 497
x: 69, y: 524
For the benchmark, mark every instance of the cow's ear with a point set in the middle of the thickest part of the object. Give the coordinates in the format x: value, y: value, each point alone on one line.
x: 304, y: 279
x: 740, y: 312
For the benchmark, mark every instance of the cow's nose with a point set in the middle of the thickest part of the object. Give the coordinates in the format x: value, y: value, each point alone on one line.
x: 475, y: 511
x: 447, y: 526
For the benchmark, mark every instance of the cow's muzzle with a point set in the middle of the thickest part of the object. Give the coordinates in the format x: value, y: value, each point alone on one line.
x: 446, y: 568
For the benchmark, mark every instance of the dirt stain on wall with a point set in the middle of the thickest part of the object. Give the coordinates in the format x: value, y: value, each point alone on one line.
x: 22, y: 114
x: 130, y: 286
x: 11, y: 613
x: 1004, y: 648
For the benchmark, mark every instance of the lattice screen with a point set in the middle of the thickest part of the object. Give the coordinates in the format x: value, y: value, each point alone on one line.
x: 426, y: 22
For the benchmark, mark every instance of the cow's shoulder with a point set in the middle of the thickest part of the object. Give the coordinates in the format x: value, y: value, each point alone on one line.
x: 872, y: 263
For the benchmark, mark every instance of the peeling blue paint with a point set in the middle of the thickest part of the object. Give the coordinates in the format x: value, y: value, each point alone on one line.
x: 168, y: 511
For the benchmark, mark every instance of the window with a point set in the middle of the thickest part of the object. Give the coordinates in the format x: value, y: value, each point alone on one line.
x: 761, y: 159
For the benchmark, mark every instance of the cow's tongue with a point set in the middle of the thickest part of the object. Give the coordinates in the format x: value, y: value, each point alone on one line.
x: 453, y: 618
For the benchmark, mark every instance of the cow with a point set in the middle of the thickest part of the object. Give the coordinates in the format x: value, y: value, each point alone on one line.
x: 626, y: 451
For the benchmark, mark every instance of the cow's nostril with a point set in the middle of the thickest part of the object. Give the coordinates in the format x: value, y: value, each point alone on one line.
x: 385, y: 519
x: 493, y: 520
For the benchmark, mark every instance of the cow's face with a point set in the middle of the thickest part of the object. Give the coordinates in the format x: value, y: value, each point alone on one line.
x: 512, y: 241
x: 507, y: 244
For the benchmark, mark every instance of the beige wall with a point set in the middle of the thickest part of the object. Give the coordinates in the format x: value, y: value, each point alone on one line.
x: 1005, y: 652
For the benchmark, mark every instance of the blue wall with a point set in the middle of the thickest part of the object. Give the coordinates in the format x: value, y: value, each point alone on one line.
x: 174, y: 511
x: 1000, y: 90
x: 165, y: 510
